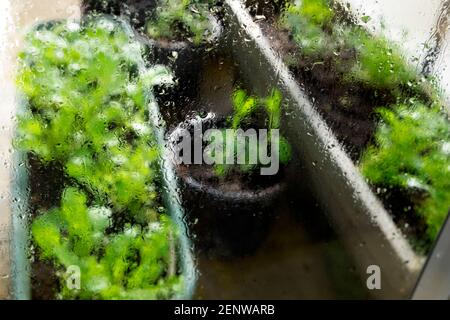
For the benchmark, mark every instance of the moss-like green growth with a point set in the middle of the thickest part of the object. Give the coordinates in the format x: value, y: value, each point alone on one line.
x: 317, y: 12
x: 88, y: 94
x: 245, y: 112
x: 306, y: 24
x: 379, y: 63
x: 181, y: 18
x: 412, y: 152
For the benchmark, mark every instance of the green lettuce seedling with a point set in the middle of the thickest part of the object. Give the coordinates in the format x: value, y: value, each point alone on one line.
x: 245, y: 111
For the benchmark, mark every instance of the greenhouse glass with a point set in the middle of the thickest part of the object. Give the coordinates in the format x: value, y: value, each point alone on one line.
x: 224, y: 149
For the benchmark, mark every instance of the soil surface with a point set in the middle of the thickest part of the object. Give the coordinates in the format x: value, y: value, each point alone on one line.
x: 234, y: 182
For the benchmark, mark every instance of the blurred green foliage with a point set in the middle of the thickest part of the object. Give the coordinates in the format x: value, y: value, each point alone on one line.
x: 181, y: 18
x: 88, y: 94
x: 412, y: 152
x: 379, y: 63
x: 131, y: 264
x: 320, y: 35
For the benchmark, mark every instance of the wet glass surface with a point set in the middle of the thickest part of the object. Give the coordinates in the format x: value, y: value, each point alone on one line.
x: 93, y: 110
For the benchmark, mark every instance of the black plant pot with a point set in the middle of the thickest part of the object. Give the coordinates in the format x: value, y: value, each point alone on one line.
x: 232, y: 223
x: 186, y: 61
x: 230, y: 217
x: 137, y: 11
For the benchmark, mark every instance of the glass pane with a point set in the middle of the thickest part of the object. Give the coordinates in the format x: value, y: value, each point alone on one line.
x: 205, y: 149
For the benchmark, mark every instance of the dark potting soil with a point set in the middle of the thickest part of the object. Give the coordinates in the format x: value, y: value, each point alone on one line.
x: 46, y: 184
x: 137, y: 11
x: 401, y: 207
